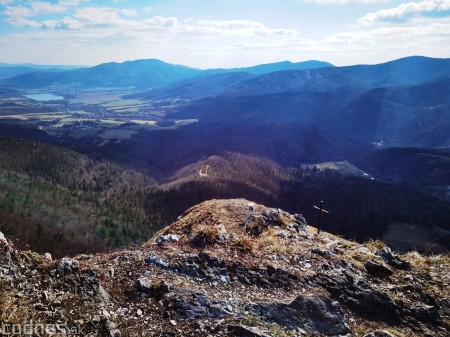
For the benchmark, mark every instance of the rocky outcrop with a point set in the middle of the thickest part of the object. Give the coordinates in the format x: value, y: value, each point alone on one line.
x: 263, y: 272
x: 313, y: 314
x: 154, y: 290
x: 255, y: 224
x: 377, y: 269
x: 393, y: 260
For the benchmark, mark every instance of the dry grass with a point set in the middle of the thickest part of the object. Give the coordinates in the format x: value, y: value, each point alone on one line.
x: 206, y: 235
x: 360, y: 256
x: 426, y: 263
x: 362, y: 327
x: 271, y: 243
x: 246, y: 244
x: 268, y: 243
x: 375, y: 245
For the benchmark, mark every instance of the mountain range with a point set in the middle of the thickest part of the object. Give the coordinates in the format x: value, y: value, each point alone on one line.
x: 402, y: 103
x: 140, y: 74
x: 370, y: 140
x: 8, y: 70
x: 407, y: 115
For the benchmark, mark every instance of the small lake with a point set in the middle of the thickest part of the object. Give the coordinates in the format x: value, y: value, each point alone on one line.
x: 43, y: 97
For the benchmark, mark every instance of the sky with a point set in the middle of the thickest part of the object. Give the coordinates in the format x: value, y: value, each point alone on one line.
x: 222, y: 33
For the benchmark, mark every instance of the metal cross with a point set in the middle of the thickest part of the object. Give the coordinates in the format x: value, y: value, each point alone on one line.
x: 321, y: 211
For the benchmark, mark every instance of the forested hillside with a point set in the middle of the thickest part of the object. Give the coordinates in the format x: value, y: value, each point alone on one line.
x: 54, y: 199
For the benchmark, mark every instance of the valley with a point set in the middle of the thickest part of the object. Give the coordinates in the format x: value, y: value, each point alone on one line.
x: 118, y: 151
x: 98, y: 112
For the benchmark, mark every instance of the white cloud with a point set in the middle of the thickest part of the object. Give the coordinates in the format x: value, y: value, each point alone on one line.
x: 110, y: 17
x: 17, y: 11
x: 128, y: 12
x: 98, y: 15
x: 41, y: 7
x: 34, y: 8
x: 23, y: 22
x: 118, y: 19
x: 350, y: 47
x: 243, y: 28
x: 158, y: 21
x: 71, y: 3
x: 65, y: 23
x: 5, y: 2
x: 407, y: 11
x: 393, y: 42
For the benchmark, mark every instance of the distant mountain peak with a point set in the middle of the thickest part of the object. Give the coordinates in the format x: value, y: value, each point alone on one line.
x: 276, y: 66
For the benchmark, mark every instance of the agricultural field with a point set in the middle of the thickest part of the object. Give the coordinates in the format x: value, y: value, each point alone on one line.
x: 100, y: 113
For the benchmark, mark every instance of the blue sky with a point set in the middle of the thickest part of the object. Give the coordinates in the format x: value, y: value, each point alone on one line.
x: 229, y: 33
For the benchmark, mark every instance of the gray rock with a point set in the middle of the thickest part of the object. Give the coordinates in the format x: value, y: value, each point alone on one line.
x: 426, y: 313
x: 361, y: 297
x: 255, y: 224
x: 225, y: 279
x: 155, y: 290
x: 3, y: 238
x: 198, y: 306
x: 301, y: 221
x: 385, y: 253
x: 67, y: 266
x: 153, y: 258
x: 144, y: 285
x: 322, y: 252
x: 314, y: 314
x: 377, y: 269
x: 102, y: 296
x: 222, y: 233
x: 393, y: 260
x: 167, y: 238
x: 245, y: 331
